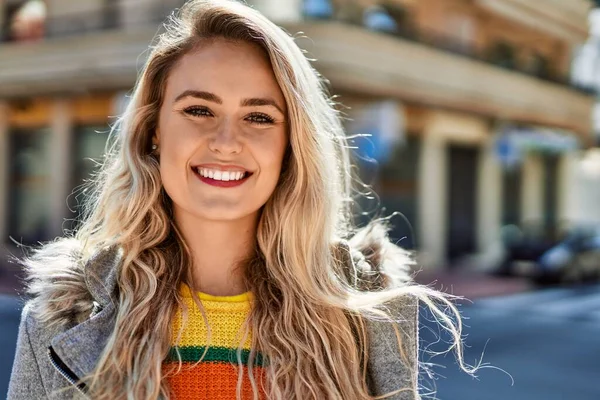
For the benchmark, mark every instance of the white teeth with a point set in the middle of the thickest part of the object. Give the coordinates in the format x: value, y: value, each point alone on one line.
x: 221, y: 175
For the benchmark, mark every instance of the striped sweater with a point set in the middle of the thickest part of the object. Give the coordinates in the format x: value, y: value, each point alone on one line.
x: 216, y: 376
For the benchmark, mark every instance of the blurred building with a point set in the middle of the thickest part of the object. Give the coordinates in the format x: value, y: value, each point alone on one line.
x: 586, y: 73
x: 475, y: 121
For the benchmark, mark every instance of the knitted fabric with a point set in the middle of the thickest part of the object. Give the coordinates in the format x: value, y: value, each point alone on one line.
x: 216, y: 376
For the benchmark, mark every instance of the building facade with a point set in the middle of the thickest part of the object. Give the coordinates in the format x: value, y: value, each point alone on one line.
x: 473, y: 120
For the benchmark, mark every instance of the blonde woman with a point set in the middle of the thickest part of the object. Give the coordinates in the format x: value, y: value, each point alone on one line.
x: 217, y: 259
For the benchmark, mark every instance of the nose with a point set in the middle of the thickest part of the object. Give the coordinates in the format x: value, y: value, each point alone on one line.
x: 225, y: 140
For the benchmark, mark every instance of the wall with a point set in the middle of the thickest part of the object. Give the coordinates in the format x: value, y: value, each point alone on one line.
x: 579, y: 201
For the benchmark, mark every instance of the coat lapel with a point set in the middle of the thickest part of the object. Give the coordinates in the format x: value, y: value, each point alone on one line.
x: 80, y: 347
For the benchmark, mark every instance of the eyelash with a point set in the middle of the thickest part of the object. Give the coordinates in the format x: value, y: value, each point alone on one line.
x: 200, y: 112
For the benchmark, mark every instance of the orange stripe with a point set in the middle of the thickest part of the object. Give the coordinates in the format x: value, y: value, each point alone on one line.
x: 214, y: 381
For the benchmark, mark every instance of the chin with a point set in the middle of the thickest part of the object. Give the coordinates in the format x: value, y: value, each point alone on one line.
x: 224, y: 214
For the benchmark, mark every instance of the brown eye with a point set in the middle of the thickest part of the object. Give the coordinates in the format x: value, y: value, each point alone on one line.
x: 196, y: 111
x: 259, y: 118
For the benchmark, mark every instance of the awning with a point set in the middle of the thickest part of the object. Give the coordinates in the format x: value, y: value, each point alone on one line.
x: 513, y: 143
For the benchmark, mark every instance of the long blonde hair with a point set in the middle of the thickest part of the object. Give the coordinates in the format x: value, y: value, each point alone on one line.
x: 308, y: 314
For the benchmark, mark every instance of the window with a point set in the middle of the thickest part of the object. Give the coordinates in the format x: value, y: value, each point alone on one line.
x: 398, y: 191
x: 503, y: 55
x: 403, y: 18
x: 90, y: 142
x: 537, y: 65
x: 29, y: 199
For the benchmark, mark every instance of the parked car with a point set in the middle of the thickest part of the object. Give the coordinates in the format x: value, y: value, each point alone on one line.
x: 574, y: 259
x: 573, y: 256
x: 524, y: 246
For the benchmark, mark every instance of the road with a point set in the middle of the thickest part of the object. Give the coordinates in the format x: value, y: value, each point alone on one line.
x: 548, y: 341
x: 10, y: 313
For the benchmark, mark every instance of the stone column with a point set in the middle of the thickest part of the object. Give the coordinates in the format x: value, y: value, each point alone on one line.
x: 567, y: 189
x: 432, y: 202
x: 60, y: 160
x: 532, y: 192
x: 489, y: 204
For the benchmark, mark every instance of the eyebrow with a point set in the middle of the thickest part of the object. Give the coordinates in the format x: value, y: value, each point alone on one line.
x: 213, y: 98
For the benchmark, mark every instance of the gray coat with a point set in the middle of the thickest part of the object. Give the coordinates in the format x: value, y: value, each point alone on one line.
x: 78, y: 305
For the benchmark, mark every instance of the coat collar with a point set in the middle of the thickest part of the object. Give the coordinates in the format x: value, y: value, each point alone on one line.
x: 80, y: 347
x: 100, y: 274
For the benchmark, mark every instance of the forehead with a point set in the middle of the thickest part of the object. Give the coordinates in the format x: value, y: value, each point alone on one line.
x: 225, y: 67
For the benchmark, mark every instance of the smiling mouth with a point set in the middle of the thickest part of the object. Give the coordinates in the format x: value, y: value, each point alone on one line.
x: 221, y: 178
x: 220, y: 175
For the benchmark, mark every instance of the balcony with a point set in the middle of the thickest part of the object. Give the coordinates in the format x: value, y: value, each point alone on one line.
x: 71, y: 64
x: 70, y: 50
x: 357, y: 60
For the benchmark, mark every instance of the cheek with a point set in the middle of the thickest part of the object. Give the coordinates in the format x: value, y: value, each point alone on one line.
x: 176, y: 143
x: 177, y: 139
x: 271, y: 152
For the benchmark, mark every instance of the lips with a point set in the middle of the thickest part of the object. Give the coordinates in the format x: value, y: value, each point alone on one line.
x: 221, y: 178
x: 221, y: 175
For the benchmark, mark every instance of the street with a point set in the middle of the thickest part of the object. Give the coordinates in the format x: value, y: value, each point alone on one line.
x: 546, y: 340
x: 10, y: 313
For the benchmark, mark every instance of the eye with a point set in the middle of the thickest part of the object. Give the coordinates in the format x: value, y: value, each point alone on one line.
x: 197, y: 111
x: 260, y: 118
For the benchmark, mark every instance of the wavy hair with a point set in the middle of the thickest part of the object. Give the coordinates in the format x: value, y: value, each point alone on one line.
x: 309, y: 309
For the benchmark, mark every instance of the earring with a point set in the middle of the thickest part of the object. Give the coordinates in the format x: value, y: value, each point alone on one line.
x: 154, y: 147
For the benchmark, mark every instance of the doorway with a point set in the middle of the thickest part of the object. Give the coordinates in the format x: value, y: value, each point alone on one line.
x: 551, y: 223
x: 512, y: 182
x: 462, y: 202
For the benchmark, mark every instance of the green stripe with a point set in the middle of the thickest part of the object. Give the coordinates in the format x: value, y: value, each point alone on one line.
x: 214, y: 354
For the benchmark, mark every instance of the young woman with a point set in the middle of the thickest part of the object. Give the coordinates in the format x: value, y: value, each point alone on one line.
x: 217, y: 259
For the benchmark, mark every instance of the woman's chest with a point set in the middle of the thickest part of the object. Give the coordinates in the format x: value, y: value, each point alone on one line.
x: 215, y: 351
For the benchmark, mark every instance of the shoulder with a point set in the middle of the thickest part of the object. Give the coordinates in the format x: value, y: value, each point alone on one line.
x: 33, y: 326
x: 393, y: 349
x: 405, y: 314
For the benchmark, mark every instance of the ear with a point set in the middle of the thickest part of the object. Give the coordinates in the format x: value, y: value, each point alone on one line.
x: 156, y: 137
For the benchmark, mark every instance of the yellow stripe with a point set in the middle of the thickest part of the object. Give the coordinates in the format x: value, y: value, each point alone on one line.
x: 225, y: 318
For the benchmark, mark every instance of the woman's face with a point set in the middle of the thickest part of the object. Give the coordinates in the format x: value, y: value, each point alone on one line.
x: 222, y: 131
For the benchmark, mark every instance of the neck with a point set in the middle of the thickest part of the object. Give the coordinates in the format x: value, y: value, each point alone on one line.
x: 217, y: 247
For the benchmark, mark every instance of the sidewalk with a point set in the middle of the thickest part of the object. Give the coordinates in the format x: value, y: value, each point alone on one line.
x: 473, y: 284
